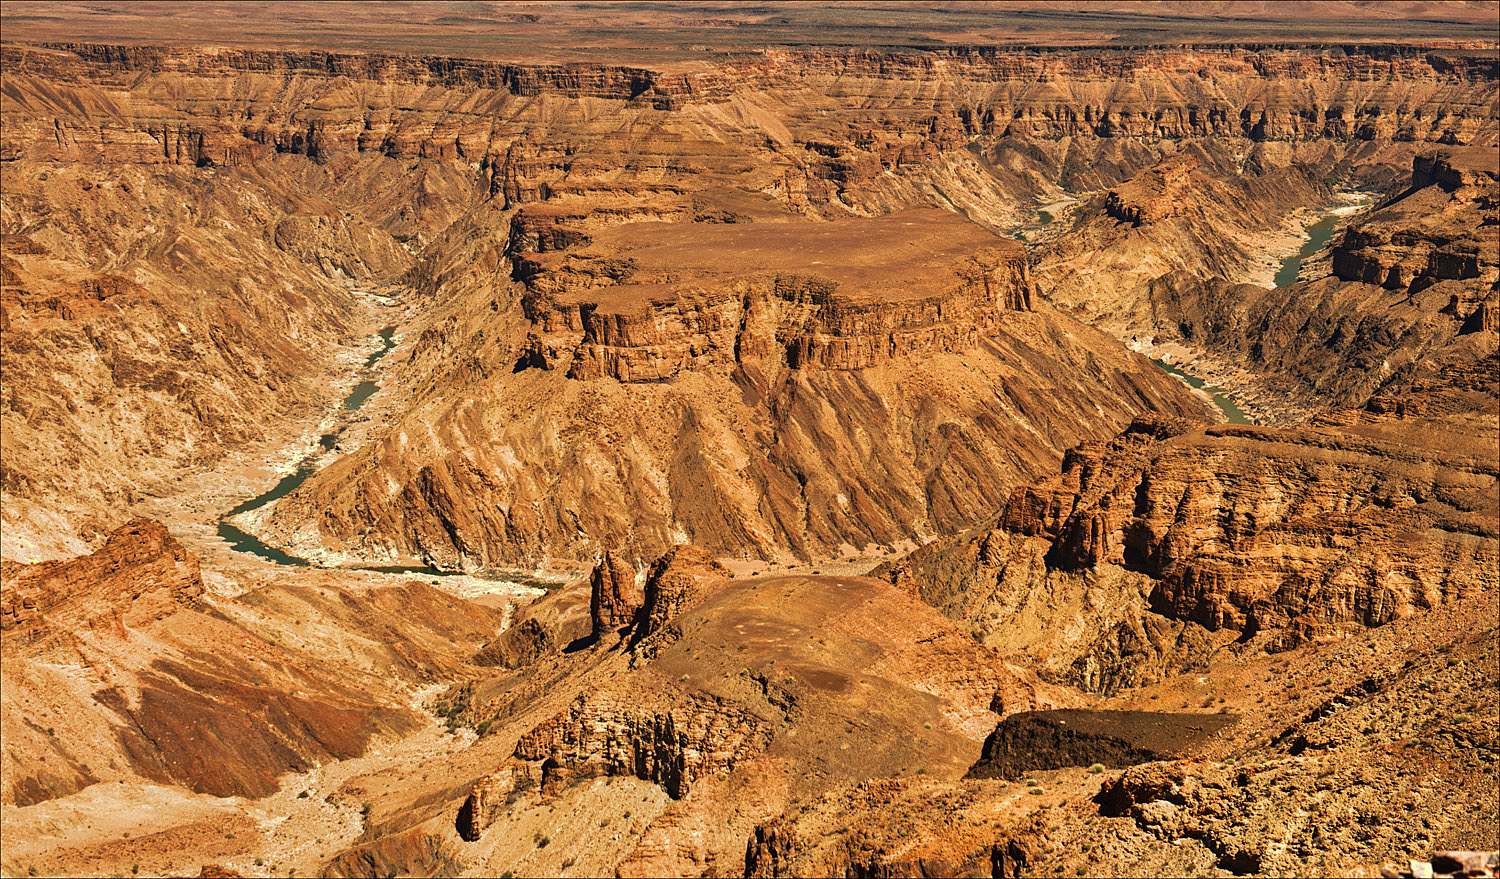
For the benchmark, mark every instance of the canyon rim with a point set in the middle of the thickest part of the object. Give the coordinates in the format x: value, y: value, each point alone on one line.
x: 704, y: 439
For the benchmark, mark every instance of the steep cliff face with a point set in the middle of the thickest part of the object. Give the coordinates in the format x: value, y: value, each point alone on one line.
x: 763, y: 387
x: 999, y: 587
x: 642, y: 304
x: 1212, y: 520
x: 1260, y: 93
x: 1301, y: 534
x: 897, y: 134
x: 672, y: 744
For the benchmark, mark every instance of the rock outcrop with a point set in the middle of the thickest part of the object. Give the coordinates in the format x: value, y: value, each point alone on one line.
x: 614, y: 596
x: 674, y: 583
x: 603, y: 734
x: 770, y: 688
x: 1371, y: 529
x: 522, y: 644
x: 999, y: 586
x: 140, y: 575
x: 492, y: 793
x: 1161, y: 191
x: 550, y: 623
x: 1391, y: 515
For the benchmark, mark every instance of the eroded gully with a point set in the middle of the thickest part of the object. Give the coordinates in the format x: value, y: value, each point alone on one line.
x: 1318, y: 236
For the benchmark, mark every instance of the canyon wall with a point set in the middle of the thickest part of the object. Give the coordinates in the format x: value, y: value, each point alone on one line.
x: 1408, y: 288
x: 760, y: 387
x: 1277, y: 536
x: 319, y: 167
x: 760, y: 306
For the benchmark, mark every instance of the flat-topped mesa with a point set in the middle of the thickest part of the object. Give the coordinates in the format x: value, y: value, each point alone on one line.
x: 644, y: 302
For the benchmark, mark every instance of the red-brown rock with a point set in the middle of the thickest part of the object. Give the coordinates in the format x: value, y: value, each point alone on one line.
x: 614, y: 597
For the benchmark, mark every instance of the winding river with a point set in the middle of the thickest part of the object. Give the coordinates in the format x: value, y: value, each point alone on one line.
x: 240, y: 541
x: 1318, y: 236
x: 1220, y: 397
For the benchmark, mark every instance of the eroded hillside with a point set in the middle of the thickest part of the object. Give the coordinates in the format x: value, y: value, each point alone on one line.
x: 446, y: 154
x: 709, y: 340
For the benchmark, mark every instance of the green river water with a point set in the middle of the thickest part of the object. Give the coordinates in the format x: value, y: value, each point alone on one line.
x: 1222, y: 398
x: 1318, y: 235
x: 241, y: 541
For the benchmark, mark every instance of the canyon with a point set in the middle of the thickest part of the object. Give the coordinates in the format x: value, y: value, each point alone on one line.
x: 714, y: 457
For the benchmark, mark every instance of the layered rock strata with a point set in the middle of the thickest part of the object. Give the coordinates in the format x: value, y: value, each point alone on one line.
x: 140, y: 571
x: 648, y: 303
x: 765, y: 387
x: 1389, y: 515
x: 675, y: 582
x: 999, y: 586
x: 1365, y: 93
x: 672, y: 746
x: 177, y: 685
x: 584, y: 376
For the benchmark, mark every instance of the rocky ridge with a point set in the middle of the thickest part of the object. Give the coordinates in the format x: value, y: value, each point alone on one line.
x: 181, y: 684
x: 737, y: 382
x: 1207, y: 515
x: 725, y: 726
x: 798, y: 724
